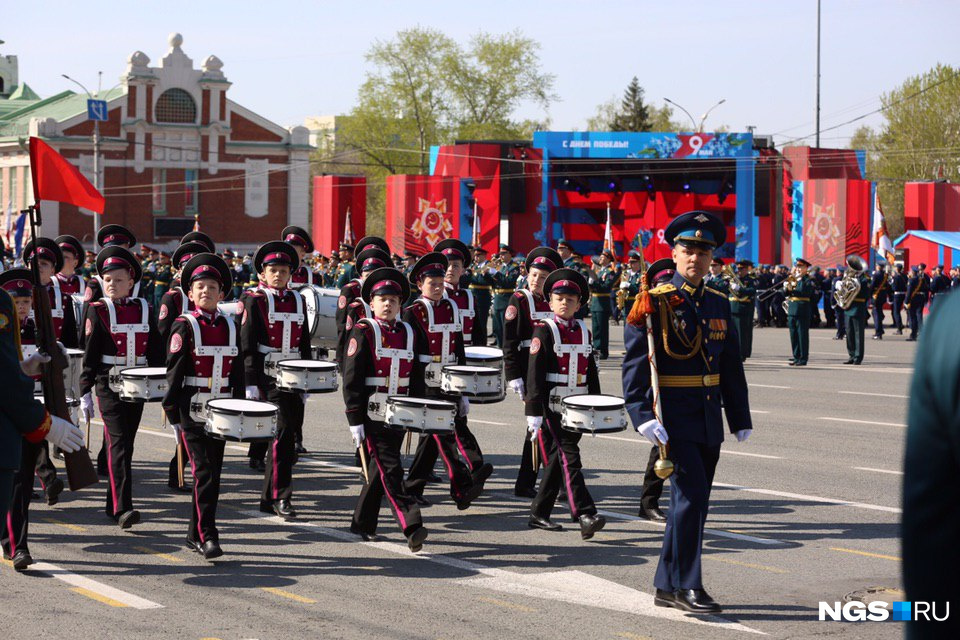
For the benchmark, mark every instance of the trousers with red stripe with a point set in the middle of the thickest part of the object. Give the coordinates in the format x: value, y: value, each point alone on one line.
x: 204, y: 462
x: 17, y: 521
x: 121, y: 420
x: 385, y: 473
x: 561, y: 450
x: 281, y: 451
x: 46, y: 471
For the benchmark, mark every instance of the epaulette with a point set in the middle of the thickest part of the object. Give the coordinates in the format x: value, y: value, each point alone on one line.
x: 663, y: 289
x: 715, y: 292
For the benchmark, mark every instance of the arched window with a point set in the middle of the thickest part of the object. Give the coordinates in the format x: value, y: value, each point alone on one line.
x: 176, y: 105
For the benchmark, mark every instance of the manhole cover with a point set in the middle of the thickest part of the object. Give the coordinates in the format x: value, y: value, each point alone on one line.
x: 871, y: 594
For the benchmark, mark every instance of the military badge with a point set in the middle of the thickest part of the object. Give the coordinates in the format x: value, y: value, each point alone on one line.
x: 176, y: 342
x: 511, y: 313
x: 534, y: 346
x: 352, y: 347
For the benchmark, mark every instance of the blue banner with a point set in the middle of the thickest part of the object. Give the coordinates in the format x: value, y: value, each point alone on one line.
x: 619, y: 144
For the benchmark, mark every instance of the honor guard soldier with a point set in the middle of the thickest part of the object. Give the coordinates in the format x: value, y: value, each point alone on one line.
x: 798, y: 312
x: 350, y: 290
x: 855, y: 317
x: 898, y: 285
x: 504, y: 284
x: 380, y: 362
x: 273, y: 328
x: 203, y: 363
x: 301, y: 241
x: 699, y: 368
x: 26, y: 424
x: 939, y: 285
x: 561, y: 365
x: 527, y: 307
x: 481, y: 285
x: 439, y: 342
x: 347, y: 271
x: 119, y: 333
x: 629, y: 283
x: 882, y: 292
x: 601, y: 285
x: 916, y: 300
x: 741, y: 306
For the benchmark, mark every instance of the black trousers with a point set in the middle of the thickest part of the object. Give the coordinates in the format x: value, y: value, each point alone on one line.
x: 527, y: 475
x: 877, y: 314
x: 478, y: 336
x: 385, y: 472
x: 841, y: 323
x: 562, y: 453
x: 46, y: 472
x: 915, y: 317
x: 173, y: 479
x: 6, y: 492
x: 121, y: 420
x: 281, y: 453
x: 17, y: 522
x: 429, y: 447
x: 652, y: 483
x: 204, y: 456
x: 896, y: 306
x: 829, y: 313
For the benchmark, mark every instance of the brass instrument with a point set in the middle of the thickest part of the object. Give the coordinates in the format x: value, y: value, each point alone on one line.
x: 849, y: 286
x: 731, y: 276
x: 789, y: 283
x: 622, y: 295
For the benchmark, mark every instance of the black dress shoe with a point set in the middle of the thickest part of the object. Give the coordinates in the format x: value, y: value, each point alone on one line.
x: 800, y: 364
x: 849, y: 361
x: 480, y: 475
x: 899, y: 332
x: 420, y: 500
x: 792, y: 362
x: 416, y: 538
x: 194, y: 545
x: 467, y: 499
x: 367, y: 537
x: 300, y: 449
x: 652, y: 513
x: 536, y: 522
x: 434, y: 478
x: 53, y: 491
x: 21, y: 560
x: 878, y: 337
x: 284, y: 509
x: 910, y: 340
x: 211, y: 549
x: 590, y: 524
x: 35, y: 495
x: 689, y: 600
x: 128, y: 518
x: 838, y: 337
x: 258, y: 465
x: 524, y: 492
x: 858, y: 362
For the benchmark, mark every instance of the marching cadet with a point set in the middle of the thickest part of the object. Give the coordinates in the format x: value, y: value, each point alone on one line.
x: 527, y: 307
x: 350, y: 290
x: 301, y: 241
x: 110, y: 235
x: 741, y: 306
x: 347, y: 272
x: 504, y: 284
x: 916, y: 300
x: 561, y: 365
x: 202, y: 238
x: 601, y: 284
x: 71, y: 282
x: 368, y: 261
x: 120, y: 332
x: 898, y: 284
x: 18, y: 455
x: 882, y: 290
x: 203, y: 363
x: 629, y: 283
x: 856, y: 318
x: 481, y: 286
x: 380, y: 362
x: 438, y: 342
x: 798, y: 313
x: 458, y: 261
x: 162, y: 279
x: 273, y: 328
x: 699, y: 366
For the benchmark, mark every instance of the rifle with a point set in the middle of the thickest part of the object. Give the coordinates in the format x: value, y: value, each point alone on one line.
x: 80, y: 471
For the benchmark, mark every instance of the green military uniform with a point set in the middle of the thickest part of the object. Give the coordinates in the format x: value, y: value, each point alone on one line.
x: 481, y: 284
x: 742, y: 308
x: 161, y: 283
x: 504, y: 284
x: 798, y: 317
x: 345, y: 273
x: 855, y: 317
x: 601, y: 306
x: 630, y: 281
x: 577, y: 265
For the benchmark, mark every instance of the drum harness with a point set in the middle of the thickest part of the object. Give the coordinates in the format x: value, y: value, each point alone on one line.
x: 377, y: 405
x: 534, y: 315
x: 286, y: 350
x: 435, y: 363
x: 209, y: 388
x: 131, y: 359
x: 464, y: 313
x: 568, y: 384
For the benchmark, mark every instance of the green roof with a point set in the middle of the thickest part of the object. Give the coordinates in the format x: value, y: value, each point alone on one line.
x: 60, y: 107
x: 22, y: 96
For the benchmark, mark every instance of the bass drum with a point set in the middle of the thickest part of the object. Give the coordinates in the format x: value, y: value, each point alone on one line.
x: 320, y: 305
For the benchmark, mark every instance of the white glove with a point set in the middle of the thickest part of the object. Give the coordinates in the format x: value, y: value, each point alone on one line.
x: 64, y: 434
x: 86, y: 407
x: 743, y: 434
x: 653, y: 431
x: 516, y: 385
x: 491, y: 270
x: 624, y: 285
x: 33, y: 366
x: 176, y: 429
x: 357, y: 433
x: 734, y: 286
x: 533, y: 426
x: 252, y: 393
x: 464, y: 405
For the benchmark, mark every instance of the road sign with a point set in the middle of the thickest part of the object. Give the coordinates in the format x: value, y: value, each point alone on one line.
x: 97, y: 110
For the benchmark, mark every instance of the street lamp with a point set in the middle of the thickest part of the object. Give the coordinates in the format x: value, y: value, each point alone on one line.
x: 96, y: 152
x: 692, y: 121
x: 698, y: 128
x: 703, y: 118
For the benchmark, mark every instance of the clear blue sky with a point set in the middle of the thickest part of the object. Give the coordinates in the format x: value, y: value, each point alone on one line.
x: 289, y: 60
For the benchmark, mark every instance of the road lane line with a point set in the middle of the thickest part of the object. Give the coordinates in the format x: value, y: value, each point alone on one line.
x: 878, y: 395
x: 852, y: 421
x: 644, y: 441
x: 720, y: 533
x: 840, y: 355
x: 287, y: 594
x: 749, y: 565
x: 96, y: 596
x: 66, y: 525
x: 496, y: 424
x: 866, y: 553
x: 127, y: 599
x: 767, y: 386
x: 896, y: 473
x: 506, y: 605
x: 808, y: 498
x: 159, y: 554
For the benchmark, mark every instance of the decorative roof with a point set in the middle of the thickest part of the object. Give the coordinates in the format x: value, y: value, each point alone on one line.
x: 946, y: 238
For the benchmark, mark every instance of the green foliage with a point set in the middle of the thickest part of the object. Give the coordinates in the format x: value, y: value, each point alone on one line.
x: 632, y: 114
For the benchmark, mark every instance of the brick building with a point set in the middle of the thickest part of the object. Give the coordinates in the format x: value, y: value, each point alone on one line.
x: 175, y: 148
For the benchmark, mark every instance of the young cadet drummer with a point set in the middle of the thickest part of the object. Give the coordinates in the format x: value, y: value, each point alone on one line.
x: 110, y: 235
x: 699, y: 366
x: 561, y: 365
x: 119, y: 332
x: 439, y: 342
x: 380, y: 362
x: 273, y: 328
x: 526, y: 308
x: 350, y: 291
x: 303, y: 243
x: 369, y: 260
x: 203, y: 363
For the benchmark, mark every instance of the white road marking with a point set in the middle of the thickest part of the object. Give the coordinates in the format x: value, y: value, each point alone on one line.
x: 767, y: 386
x: 836, y: 367
x: 852, y: 421
x: 758, y: 411
x: 720, y: 533
x: 496, y: 424
x: 896, y: 473
x: 840, y: 355
x: 877, y: 395
x: 644, y: 441
x: 808, y: 498
x: 99, y: 588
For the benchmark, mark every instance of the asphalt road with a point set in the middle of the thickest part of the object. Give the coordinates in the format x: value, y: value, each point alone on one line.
x: 806, y: 510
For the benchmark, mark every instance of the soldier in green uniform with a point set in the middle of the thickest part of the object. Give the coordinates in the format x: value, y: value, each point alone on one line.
x: 629, y: 283
x: 504, y: 284
x: 742, y: 298
x: 149, y: 259
x: 855, y: 317
x: 162, y: 279
x: 715, y: 279
x: 481, y: 284
x: 798, y: 313
x: 89, y: 268
x: 347, y: 270
x: 601, y: 281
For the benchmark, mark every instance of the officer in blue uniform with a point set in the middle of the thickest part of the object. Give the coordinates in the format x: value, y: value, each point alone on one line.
x: 698, y: 360
x: 916, y: 300
x: 898, y: 282
x: 882, y: 290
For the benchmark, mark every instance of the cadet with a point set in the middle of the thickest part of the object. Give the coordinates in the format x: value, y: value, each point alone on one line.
x: 741, y: 306
x: 481, y: 286
x: 699, y: 366
x: 110, y: 235
x: 898, y: 283
x: 368, y: 260
x: 381, y: 362
x: 882, y: 290
x: 301, y: 241
x: 601, y: 284
x: 561, y: 365
x: 504, y: 284
x: 350, y: 290
x: 71, y: 282
x: 916, y: 300
x: 856, y: 318
x: 798, y: 313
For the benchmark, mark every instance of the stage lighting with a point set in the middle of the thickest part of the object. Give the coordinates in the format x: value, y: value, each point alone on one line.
x: 612, y: 185
x: 686, y: 186
x: 649, y: 185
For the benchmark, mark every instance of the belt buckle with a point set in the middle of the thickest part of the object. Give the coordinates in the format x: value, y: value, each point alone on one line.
x: 706, y: 380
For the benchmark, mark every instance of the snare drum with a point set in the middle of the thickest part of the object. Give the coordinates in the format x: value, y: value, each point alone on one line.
x: 589, y: 413
x: 479, y: 384
x: 143, y: 384
x: 484, y: 357
x: 241, y: 420
x: 310, y: 376
x: 423, y: 415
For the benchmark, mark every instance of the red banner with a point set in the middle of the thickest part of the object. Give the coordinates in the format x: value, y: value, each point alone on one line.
x: 421, y: 211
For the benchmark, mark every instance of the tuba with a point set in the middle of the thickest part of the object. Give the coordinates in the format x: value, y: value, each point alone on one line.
x: 849, y: 285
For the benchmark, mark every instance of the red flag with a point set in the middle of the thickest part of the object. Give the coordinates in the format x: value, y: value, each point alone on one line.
x: 54, y: 178
x: 348, y: 237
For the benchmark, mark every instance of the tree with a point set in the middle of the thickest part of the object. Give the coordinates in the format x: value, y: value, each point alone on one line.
x: 633, y: 114
x: 915, y: 141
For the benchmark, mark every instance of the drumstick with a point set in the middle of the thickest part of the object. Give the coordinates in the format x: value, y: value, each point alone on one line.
x: 409, y: 437
x: 179, y: 462
x: 534, y: 453
x: 363, y: 461
x: 88, y: 433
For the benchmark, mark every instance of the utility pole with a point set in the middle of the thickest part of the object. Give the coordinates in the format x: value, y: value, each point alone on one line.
x: 818, y: 74
x: 96, y: 150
